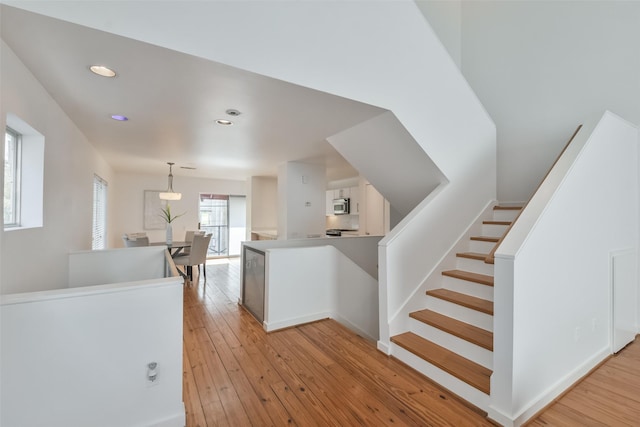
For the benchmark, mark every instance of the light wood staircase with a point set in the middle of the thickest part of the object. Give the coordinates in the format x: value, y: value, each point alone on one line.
x: 451, y: 339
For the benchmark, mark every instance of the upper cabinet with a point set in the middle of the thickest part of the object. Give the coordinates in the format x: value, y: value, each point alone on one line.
x: 351, y: 193
x: 354, y: 195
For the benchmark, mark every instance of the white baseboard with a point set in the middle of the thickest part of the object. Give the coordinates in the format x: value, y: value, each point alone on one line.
x: 535, y: 405
x: 384, y: 347
x: 287, y: 323
x: 177, y: 420
x: 354, y: 328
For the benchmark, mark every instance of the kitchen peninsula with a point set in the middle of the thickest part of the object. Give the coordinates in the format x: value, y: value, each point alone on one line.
x: 291, y: 282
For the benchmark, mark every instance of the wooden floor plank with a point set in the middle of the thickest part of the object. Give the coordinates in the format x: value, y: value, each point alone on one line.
x: 235, y: 374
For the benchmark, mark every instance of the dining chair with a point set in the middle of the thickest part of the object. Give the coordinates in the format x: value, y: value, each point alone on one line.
x: 197, y: 256
x: 188, y: 237
x: 135, y: 239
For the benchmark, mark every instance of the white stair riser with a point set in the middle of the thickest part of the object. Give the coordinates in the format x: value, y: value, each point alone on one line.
x: 480, y: 246
x: 464, y: 314
x: 505, y: 215
x: 474, y: 266
x: 446, y: 380
x: 494, y: 230
x: 468, y: 350
x: 466, y: 287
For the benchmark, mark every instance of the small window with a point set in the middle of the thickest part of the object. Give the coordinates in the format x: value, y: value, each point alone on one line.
x: 12, y: 161
x: 98, y: 235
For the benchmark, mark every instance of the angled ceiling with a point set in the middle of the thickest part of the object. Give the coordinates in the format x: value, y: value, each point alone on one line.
x: 173, y: 100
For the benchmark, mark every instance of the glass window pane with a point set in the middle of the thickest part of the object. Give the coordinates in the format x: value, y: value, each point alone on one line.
x: 11, y: 177
x: 98, y: 235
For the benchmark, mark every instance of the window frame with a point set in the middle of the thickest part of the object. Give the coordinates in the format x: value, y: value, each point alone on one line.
x: 14, y: 137
x: 99, y: 216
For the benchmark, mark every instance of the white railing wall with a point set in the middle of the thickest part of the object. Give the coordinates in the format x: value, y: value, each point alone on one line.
x: 65, y: 352
x: 552, y: 305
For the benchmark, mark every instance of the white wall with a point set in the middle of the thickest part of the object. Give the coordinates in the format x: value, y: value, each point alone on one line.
x: 445, y: 17
x: 129, y: 206
x: 262, y: 203
x: 301, y: 200
x: 36, y: 258
x: 541, y: 67
x: 552, y: 271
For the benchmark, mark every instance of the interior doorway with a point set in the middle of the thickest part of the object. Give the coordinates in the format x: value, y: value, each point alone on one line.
x: 224, y: 216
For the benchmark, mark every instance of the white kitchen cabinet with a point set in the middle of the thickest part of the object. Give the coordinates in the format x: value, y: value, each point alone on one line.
x: 354, y: 195
x: 329, y: 202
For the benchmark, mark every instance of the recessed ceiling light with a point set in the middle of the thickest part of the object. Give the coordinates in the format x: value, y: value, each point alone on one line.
x: 102, y: 71
x: 119, y: 117
x: 224, y: 122
x: 233, y: 112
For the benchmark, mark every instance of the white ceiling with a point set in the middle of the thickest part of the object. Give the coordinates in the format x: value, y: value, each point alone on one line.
x: 172, y: 101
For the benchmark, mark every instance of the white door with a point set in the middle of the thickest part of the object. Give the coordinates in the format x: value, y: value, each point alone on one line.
x: 624, y: 279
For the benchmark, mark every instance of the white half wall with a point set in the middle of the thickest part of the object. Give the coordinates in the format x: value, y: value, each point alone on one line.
x: 79, y: 357
x: 306, y: 284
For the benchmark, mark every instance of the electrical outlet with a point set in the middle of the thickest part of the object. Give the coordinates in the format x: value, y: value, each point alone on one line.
x: 152, y: 374
x: 594, y: 324
x: 576, y: 334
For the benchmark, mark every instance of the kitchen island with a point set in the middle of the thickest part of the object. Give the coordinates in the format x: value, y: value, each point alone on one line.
x: 291, y: 282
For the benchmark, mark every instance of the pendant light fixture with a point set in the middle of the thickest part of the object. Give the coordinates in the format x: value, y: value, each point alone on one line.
x: 170, y: 194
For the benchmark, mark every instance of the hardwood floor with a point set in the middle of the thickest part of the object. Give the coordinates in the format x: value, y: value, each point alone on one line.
x: 321, y: 374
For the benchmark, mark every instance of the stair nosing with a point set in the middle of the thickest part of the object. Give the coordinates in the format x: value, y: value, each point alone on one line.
x: 472, y: 255
x: 482, y: 279
x: 497, y: 222
x: 507, y: 208
x: 468, y: 301
x: 490, y: 239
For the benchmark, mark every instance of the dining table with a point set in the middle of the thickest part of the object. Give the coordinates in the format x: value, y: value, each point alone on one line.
x: 175, y: 248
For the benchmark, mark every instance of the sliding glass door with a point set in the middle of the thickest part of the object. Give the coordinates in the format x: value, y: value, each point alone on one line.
x: 223, y: 216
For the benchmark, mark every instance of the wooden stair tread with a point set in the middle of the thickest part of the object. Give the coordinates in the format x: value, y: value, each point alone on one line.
x: 483, y: 279
x: 467, y: 332
x: 497, y: 222
x: 507, y: 208
x: 464, y: 369
x: 468, y: 301
x: 472, y: 255
x: 485, y: 239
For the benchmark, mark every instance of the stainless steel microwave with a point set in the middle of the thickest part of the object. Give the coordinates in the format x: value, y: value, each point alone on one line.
x: 340, y: 206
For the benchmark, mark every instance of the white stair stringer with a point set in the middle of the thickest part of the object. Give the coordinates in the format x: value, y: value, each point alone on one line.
x: 446, y: 380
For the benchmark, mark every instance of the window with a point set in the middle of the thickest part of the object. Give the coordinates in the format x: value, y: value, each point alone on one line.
x: 224, y: 217
x: 12, y: 161
x: 98, y: 235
